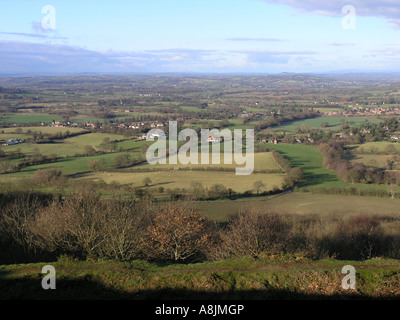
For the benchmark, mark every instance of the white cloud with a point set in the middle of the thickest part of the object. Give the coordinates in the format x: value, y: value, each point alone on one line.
x: 387, y: 9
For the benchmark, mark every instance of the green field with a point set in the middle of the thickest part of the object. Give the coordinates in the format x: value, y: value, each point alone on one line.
x: 309, y: 159
x: 69, y: 166
x: 334, y: 123
x: 30, y: 118
x: 43, y: 130
x: 92, y: 139
x: 60, y: 149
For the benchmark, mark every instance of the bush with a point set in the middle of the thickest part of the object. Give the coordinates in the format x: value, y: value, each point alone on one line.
x: 178, y: 234
x: 252, y: 233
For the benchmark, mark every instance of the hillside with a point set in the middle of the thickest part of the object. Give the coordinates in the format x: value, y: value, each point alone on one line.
x: 269, y: 277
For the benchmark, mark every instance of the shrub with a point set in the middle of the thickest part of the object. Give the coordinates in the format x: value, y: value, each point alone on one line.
x: 178, y: 234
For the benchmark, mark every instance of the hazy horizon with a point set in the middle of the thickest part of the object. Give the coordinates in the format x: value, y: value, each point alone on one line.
x: 220, y: 37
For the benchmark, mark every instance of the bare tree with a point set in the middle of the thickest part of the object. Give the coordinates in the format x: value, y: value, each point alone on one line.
x: 179, y: 233
x: 252, y: 232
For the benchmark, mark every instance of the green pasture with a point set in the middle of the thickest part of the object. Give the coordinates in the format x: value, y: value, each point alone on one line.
x: 334, y: 123
x: 60, y: 149
x: 70, y: 166
x: 93, y: 139
x: 30, y: 118
x: 309, y: 159
x: 42, y: 129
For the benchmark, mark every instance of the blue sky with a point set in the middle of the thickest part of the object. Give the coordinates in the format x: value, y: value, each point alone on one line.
x: 250, y: 36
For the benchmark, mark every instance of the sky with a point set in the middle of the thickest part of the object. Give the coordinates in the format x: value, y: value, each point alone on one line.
x: 205, y: 36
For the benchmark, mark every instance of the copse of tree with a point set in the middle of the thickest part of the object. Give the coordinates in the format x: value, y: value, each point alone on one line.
x: 281, y: 161
x: 86, y: 227
x: 336, y: 159
x: 89, y: 151
x: 258, y: 185
x: 147, y: 181
x: 96, y: 165
x: 47, y: 177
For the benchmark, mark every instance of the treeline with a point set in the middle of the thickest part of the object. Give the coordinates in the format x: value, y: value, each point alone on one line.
x: 37, y: 227
x: 353, y: 191
x: 336, y: 158
x: 279, y: 119
x: 293, y: 175
x: 42, y: 137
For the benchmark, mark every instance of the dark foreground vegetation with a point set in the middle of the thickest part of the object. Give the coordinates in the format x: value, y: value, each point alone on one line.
x: 38, y: 227
x: 270, y: 277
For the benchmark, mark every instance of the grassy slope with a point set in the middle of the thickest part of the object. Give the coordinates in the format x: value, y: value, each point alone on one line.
x: 315, y: 175
x: 309, y: 159
x: 270, y: 277
x: 302, y: 203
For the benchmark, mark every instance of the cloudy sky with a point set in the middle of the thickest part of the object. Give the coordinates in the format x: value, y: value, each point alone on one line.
x: 252, y: 36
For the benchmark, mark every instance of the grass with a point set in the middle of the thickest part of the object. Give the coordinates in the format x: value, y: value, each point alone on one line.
x: 309, y: 159
x: 93, y: 139
x: 31, y: 118
x: 377, y: 161
x: 173, y: 176
x: 383, y: 147
x: 302, y: 204
x: 44, y: 130
x: 69, y: 166
x: 262, y: 161
x: 270, y: 277
x: 59, y: 149
x: 334, y: 123
x: 183, y: 179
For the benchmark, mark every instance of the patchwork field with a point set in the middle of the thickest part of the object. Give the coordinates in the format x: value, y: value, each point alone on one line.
x: 332, y: 123
x: 262, y: 161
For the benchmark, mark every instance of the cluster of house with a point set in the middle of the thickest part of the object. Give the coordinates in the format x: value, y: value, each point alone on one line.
x: 140, y: 125
x: 10, y: 142
x: 295, y: 140
x: 211, y: 139
x: 395, y: 138
x: 364, y: 111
